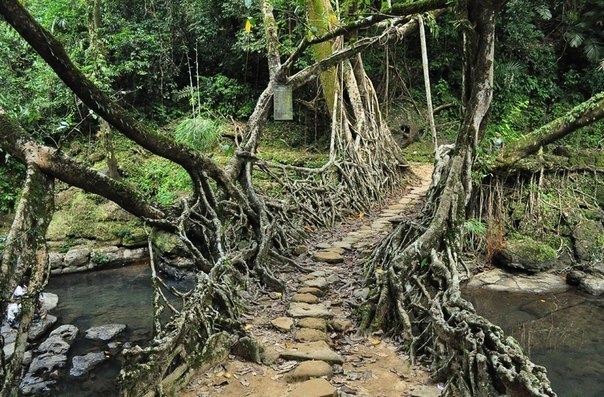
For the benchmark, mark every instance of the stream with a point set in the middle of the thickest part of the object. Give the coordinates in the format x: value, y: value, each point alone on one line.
x: 562, y: 331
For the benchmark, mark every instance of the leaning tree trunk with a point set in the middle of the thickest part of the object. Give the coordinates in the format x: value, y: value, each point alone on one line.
x: 415, y: 275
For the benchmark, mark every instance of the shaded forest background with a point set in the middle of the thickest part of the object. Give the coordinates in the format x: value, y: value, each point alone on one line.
x: 195, y: 69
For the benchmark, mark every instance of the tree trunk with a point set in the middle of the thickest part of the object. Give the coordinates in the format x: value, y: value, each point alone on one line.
x: 414, y: 273
x: 25, y: 257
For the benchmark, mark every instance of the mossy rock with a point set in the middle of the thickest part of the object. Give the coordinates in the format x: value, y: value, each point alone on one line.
x: 526, y: 254
x: 169, y: 244
x: 588, y: 237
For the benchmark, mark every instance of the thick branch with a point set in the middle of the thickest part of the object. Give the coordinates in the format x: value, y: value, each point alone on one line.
x: 15, y: 141
x: 584, y: 114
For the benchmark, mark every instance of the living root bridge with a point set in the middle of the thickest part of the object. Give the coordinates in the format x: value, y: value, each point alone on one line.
x: 416, y: 282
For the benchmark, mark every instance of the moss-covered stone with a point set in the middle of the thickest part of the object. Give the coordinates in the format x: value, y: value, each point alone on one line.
x: 588, y: 236
x: 526, y: 254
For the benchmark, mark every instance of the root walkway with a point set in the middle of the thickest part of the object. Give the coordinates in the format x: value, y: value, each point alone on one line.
x: 309, y: 335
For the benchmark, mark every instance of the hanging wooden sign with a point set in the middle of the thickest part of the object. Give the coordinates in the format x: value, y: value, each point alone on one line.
x: 283, y: 103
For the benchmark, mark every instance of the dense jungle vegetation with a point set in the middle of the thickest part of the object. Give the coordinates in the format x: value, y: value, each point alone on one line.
x: 192, y: 83
x: 192, y: 68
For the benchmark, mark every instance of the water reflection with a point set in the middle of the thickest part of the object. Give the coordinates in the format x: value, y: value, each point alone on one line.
x: 563, y: 332
x: 122, y: 295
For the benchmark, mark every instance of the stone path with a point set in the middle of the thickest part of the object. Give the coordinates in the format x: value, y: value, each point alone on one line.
x: 311, y: 349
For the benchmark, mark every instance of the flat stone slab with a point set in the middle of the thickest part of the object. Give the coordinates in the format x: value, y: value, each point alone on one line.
x: 84, y: 364
x: 305, y: 298
x: 312, y: 351
x: 309, y: 335
x: 311, y: 290
x: 300, y: 309
x: 319, y: 282
x: 425, y: 391
x: 105, y: 332
x: 309, y: 370
x: 39, y: 327
x: 314, y: 388
x: 328, y: 256
x: 323, y: 246
x: 314, y: 323
x: 283, y: 324
x: 499, y: 280
x: 347, y: 245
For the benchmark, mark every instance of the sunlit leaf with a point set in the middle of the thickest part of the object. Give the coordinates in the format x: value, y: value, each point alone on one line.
x: 248, y: 26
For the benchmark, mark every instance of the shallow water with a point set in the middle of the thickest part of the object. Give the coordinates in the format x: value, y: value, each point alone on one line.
x: 122, y: 295
x: 563, y: 332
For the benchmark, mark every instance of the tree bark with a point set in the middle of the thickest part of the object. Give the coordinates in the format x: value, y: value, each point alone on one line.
x: 25, y: 257
x: 581, y: 115
x: 414, y: 273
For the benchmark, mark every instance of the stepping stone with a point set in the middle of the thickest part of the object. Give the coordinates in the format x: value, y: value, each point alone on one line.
x: 300, y: 309
x: 343, y: 244
x: 305, y: 298
x: 309, y: 335
x: 311, y: 290
x: 319, y: 282
x: 328, y: 257
x: 40, y: 327
x: 283, y: 324
x: 425, y: 391
x: 317, y: 273
x: 314, y: 323
x: 312, y: 351
x: 340, y: 325
x: 323, y: 245
x: 314, y: 388
x: 309, y: 370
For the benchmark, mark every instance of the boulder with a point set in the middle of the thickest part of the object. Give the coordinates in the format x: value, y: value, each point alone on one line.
x: 590, y: 280
x: 55, y: 260
x: 53, y: 344
x: 35, y: 386
x: 81, y: 365
x: 587, y: 237
x: 67, y: 332
x: 49, y: 301
x: 76, y: 257
x: 526, y: 254
x: 39, y: 328
x: 46, y: 363
x: 105, y: 332
x: 499, y: 280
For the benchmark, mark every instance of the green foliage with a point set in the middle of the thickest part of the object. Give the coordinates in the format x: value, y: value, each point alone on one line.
x: 161, y: 180
x: 476, y: 227
x: 198, y: 133
x: 12, y: 174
